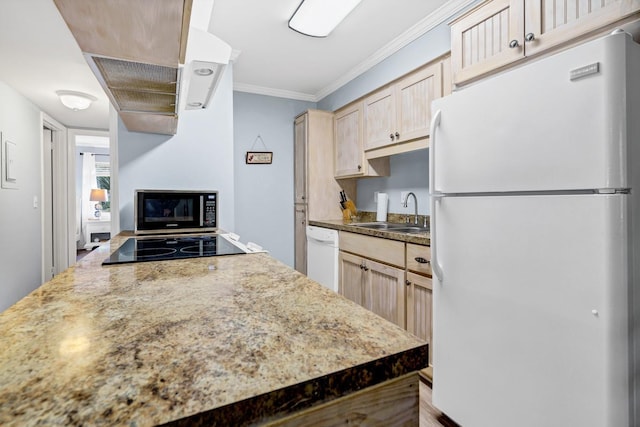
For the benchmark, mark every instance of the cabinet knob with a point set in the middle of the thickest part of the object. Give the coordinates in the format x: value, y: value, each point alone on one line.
x: 391, y: 136
x: 529, y: 37
x: 514, y: 44
x: 406, y: 282
x: 365, y: 268
x: 397, y: 135
x: 359, y: 167
x: 421, y: 260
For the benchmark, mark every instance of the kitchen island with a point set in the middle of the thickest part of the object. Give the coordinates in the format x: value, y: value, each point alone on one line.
x: 231, y: 340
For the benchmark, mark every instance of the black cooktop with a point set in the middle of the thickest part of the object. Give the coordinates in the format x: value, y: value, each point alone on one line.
x: 141, y: 249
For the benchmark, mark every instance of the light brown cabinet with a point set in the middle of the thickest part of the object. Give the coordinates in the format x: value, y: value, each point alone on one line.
x: 397, y: 116
x: 315, y: 189
x: 377, y: 286
x: 420, y: 294
x: 420, y: 308
x: 390, y: 278
x: 349, y: 151
x: 500, y: 32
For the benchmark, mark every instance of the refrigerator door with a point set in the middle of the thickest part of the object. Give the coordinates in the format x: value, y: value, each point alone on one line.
x: 537, y: 129
x: 530, y: 321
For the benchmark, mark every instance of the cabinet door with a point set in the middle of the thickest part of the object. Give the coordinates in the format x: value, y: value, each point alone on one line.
x: 551, y: 22
x: 480, y: 40
x: 349, y: 153
x: 379, y: 119
x: 413, y: 97
x: 384, y: 291
x: 300, y: 241
x: 420, y: 308
x: 300, y: 159
x: 351, y: 277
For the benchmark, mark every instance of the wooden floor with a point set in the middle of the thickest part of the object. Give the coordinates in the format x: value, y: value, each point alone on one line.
x: 429, y: 415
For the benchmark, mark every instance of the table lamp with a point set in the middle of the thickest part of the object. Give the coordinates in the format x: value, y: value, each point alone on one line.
x: 98, y: 195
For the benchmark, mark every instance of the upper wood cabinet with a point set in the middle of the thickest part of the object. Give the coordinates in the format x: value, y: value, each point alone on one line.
x: 349, y: 151
x: 500, y: 32
x: 397, y: 116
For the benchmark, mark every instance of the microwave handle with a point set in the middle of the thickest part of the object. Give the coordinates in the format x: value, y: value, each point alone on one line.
x: 202, y: 209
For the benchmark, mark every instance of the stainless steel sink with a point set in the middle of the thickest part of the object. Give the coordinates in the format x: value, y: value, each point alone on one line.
x: 392, y: 226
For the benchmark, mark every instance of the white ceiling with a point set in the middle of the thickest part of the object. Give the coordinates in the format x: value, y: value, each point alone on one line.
x: 39, y: 54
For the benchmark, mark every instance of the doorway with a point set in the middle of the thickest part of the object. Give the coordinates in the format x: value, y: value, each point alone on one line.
x: 53, y: 196
x: 92, y: 189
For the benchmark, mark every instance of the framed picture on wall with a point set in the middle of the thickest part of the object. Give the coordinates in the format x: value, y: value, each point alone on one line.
x: 259, y: 157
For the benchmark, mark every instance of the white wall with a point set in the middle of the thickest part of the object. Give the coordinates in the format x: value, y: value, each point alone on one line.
x: 20, y: 223
x: 198, y: 157
x: 264, y: 193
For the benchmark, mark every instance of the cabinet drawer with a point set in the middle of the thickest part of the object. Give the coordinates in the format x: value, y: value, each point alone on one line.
x: 416, y: 257
x: 384, y: 250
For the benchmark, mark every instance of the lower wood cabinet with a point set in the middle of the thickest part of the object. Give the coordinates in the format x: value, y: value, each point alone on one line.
x: 373, y: 285
x: 420, y: 308
x: 390, y: 278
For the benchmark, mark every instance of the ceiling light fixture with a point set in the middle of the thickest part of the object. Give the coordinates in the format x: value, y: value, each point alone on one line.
x: 317, y: 18
x: 75, y: 100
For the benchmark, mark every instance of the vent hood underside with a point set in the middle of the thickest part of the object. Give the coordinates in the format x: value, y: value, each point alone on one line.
x: 135, y: 48
x: 145, y: 95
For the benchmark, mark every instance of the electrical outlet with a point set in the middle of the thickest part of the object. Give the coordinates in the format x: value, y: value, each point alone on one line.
x: 403, y: 196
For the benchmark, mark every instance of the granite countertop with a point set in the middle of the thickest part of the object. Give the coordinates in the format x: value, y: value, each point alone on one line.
x: 347, y: 225
x: 225, y: 340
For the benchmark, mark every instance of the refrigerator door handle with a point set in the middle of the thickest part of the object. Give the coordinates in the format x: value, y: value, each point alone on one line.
x: 435, y: 197
x: 435, y: 264
x: 435, y: 122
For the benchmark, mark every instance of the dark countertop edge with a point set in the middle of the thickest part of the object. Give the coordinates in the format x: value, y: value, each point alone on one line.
x: 288, y: 400
x: 419, y: 239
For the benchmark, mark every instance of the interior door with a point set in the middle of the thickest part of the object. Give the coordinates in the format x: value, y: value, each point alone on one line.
x: 48, y: 249
x: 530, y: 312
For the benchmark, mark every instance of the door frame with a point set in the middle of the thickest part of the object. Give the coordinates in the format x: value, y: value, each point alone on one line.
x: 59, y: 160
x: 71, y: 171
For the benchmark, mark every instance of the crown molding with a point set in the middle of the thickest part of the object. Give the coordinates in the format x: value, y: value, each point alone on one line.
x: 443, y: 14
x: 280, y: 93
x: 439, y: 16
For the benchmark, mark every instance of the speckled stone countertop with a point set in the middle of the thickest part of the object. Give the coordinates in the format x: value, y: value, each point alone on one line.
x: 347, y: 225
x: 230, y: 340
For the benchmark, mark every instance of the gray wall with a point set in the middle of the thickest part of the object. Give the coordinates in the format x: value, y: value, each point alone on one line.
x: 20, y: 223
x: 264, y: 193
x: 198, y: 157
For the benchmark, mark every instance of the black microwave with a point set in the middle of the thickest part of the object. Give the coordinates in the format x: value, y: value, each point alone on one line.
x: 169, y: 211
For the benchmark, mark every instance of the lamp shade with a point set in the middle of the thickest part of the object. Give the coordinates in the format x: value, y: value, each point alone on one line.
x: 317, y: 18
x: 98, y: 195
x: 75, y: 100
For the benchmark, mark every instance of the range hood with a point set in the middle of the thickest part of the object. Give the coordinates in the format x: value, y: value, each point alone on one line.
x: 150, y: 59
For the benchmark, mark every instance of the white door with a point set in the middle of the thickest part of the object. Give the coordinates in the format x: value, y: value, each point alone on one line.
x: 530, y: 314
x: 535, y: 129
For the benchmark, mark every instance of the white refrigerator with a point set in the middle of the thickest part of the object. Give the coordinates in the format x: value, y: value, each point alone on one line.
x: 535, y: 222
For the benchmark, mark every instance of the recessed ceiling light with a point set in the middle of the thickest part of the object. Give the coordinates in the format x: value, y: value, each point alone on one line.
x: 203, y: 71
x: 195, y: 104
x: 317, y: 18
x: 75, y: 100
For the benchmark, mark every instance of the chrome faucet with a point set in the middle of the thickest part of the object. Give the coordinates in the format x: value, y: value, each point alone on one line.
x: 406, y: 204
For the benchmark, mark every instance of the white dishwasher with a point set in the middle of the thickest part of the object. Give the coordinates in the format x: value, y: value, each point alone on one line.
x: 322, y: 256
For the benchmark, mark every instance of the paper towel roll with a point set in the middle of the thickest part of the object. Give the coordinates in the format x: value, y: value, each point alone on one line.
x: 383, y: 200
